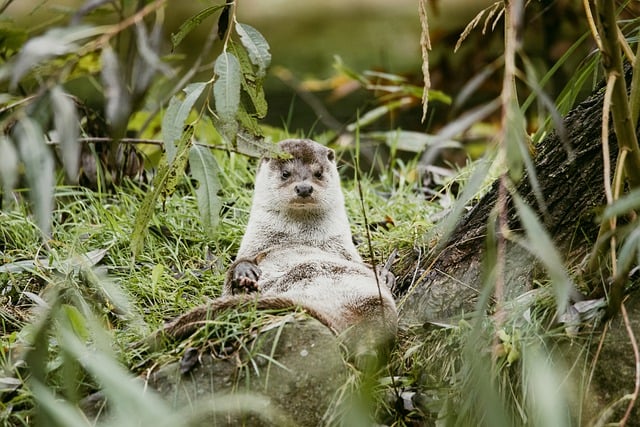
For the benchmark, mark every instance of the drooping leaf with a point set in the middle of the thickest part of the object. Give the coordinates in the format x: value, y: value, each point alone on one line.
x: 470, y: 190
x: 58, y: 412
x: 623, y: 205
x: 541, y: 246
x: 251, y: 85
x: 139, y: 406
x: 178, y: 165
x: 204, y: 169
x: 191, y: 23
x: 55, y: 42
x: 39, y: 169
x: 226, y: 89
x: 176, y: 115
x: 8, y: 168
x: 630, y: 251
x: 118, y: 100
x: 76, y: 320
x: 65, y: 118
x: 411, y: 141
x: 466, y: 120
x: 374, y: 114
x: 256, y: 46
x: 249, y: 122
x: 147, y: 62
x: 165, y: 180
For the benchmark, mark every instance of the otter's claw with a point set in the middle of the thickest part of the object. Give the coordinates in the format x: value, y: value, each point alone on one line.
x: 245, y: 278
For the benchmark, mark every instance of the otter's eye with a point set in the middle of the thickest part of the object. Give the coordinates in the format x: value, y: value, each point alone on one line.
x: 318, y: 174
x: 285, y: 174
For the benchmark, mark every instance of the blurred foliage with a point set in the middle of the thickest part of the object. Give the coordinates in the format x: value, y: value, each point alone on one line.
x: 123, y: 145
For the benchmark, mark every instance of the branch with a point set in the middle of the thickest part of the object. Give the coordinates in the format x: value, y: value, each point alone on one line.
x: 636, y: 355
x: 612, y: 62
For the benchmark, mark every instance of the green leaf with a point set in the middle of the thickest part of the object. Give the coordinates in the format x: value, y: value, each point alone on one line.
x: 8, y: 168
x: 372, y: 115
x: 466, y: 120
x: 58, y: 412
x: 628, y: 254
x: 55, y: 42
x: 12, y: 36
x: 164, y: 182
x: 542, y: 247
x: 250, y: 84
x: 177, y: 167
x: 256, y: 46
x: 249, y: 122
x: 176, y: 115
x: 204, y: 169
x: 191, y: 23
x: 135, y: 405
x: 623, y: 205
x: 76, y: 320
x: 39, y: 169
x: 65, y: 118
x: 411, y: 141
x: 469, y: 191
x: 226, y: 89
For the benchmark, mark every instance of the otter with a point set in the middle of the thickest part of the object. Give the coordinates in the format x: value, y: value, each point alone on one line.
x: 297, y: 251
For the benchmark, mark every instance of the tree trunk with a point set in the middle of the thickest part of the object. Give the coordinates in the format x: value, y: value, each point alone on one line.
x: 572, y: 187
x: 573, y: 190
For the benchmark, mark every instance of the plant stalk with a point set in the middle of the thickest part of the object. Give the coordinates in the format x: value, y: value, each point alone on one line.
x: 612, y: 62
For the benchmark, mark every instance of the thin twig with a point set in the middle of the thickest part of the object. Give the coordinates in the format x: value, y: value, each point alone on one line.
x: 117, y: 29
x: 596, y: 356
x: 512, y: 24
x: 612, y: 61
x: 634, y: 92
x: 631, y: 57
x: 232, y: 21
x: 592, y: 24
x: 158, y: 142
x: 636, y: 355
x: 606, y: 110
x: 5, y: 5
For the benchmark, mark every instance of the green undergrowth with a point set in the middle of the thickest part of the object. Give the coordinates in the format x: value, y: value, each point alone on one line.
x: 76, y: 310
x: 84, y: 278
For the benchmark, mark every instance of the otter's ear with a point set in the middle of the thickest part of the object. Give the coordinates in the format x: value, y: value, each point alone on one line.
x: 331, y: 155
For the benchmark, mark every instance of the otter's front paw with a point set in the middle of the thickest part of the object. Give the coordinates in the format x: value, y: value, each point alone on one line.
x: 245, y: 278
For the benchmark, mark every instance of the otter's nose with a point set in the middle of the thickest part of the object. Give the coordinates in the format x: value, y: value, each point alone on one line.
x: 304, y: 189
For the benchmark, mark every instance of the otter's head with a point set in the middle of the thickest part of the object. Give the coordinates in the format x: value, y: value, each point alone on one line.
x: 303, y: 180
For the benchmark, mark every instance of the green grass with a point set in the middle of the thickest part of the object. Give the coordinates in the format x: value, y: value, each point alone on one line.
x: 93, y: 310
x: 91, y: 285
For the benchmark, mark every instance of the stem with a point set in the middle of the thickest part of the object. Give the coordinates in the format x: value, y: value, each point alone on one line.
x: 512, y: 12
x: 623, y: 110
x: 636, y: 357
x: 232, y: 21
x: 612, y: 62
x: 634, y: 94
x: 592, y: 24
